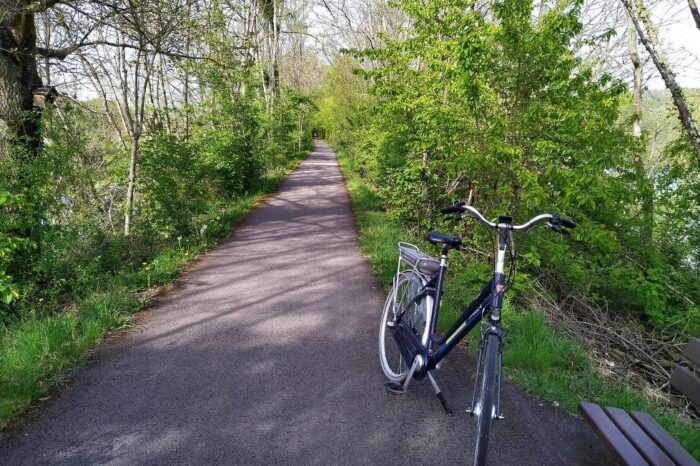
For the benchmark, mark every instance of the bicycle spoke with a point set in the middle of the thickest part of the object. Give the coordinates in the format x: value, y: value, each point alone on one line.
x: 400, y: 305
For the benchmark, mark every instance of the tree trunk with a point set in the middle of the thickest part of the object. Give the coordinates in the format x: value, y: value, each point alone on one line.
x: 301, y: 128
x: 186, y: 90
x: 18, y: 77
x: 650, y: 40
x: 134, y: 124
x: 275, y: 48
x: 186, y: 103
x: 270, y: 12
x: 47, y: 46
x: 637, y: 77
x: 694, y: 12
x: 132, y: 182
x: 646, y: 188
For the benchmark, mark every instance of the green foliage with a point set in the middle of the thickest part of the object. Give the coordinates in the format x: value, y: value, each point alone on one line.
x: 67, y: 272
x: 532, y: 346
x: 543, y: 361
x: 10, y: 245
x: 35, y: 351
x: 497, y: 109
x: 62, y: 209
x: 228, y: 139
x: 37, y: 346
x: 342, y: 103
x: 378, y: 238
x: 174, y: 185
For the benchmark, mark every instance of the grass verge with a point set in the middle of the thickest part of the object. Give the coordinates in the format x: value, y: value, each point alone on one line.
x: 38, y: 348
x: 544, y: 362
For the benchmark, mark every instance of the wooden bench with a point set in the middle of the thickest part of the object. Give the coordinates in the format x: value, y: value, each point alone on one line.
x: 684, y: 379
x: 635, y: 438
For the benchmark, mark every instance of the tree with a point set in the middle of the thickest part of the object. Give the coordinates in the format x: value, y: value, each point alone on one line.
x: 270, y: 10
x: 694, y: 11
x: 18, y: 69
x: 649, y: 37
x: 646, y: 188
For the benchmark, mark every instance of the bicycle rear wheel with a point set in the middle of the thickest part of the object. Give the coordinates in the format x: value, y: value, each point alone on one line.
x: 486, y: 411
x: 400, y: 302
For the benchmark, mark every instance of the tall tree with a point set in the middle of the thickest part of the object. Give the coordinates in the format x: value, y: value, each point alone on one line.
x: 649, y: 37
x: 270, y: 10
x: 694, y: 11
x: 645, y: 186
x: 18, y: 67
x: 636, y: 77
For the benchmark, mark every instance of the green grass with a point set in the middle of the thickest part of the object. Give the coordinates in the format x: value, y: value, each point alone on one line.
x: 532, y: 346
x: 36, y: 351
x: 38, y: 348
x: 542, y: 361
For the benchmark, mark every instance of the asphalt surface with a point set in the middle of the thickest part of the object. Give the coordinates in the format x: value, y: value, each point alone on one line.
x: 266, y: 354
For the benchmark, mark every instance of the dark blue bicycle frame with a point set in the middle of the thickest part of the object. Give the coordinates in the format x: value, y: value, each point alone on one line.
x: 470, y: 317
x: 488, y: 302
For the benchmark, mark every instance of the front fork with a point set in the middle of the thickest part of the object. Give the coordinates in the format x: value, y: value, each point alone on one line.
x: 475, y: 409
x: 493, y: 326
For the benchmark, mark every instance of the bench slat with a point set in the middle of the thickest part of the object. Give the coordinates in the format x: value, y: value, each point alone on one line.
x: 664, y: 440
x: 611, y: 435
x: 687, y: 383
x: 692, y: 351
x: 646, y: 445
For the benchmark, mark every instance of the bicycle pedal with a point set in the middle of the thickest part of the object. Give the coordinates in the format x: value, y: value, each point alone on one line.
x: 395, y: 388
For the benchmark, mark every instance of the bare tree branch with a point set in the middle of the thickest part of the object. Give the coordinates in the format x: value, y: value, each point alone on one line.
x: 63, y: 53
x: 647, y: 34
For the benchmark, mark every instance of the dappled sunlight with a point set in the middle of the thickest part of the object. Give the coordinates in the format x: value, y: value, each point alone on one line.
x: 285, y: 328
x: 266, y: 354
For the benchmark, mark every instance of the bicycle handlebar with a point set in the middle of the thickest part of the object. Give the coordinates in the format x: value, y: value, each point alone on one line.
x: 566, y: 222
x: 534, y: 221
x: 453, y: 209
x: 555, y: 221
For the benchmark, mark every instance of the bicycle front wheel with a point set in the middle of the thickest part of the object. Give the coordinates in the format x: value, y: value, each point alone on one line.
x: 487, y: 398
x: 400, y: 302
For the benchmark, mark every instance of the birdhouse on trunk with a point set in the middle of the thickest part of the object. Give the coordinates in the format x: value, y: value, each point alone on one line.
x: 44, y: 95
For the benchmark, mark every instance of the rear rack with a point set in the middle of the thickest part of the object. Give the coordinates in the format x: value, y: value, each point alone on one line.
x: 419, y: 262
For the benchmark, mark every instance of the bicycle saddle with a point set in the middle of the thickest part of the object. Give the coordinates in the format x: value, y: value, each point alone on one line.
x: 439, y: 238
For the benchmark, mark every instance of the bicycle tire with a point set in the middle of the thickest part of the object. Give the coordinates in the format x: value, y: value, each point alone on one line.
x: 486, y: 399
x: 407, y: 285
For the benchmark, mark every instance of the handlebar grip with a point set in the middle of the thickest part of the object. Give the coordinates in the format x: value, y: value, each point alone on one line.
x: 556, y: 227
x: 565, y: 222
x: 453, y: 209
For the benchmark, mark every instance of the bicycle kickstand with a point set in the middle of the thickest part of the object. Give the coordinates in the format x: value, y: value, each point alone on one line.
x: 440, y: 396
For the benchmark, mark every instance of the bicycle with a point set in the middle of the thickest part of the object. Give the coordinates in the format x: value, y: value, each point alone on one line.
x: 411, y: 315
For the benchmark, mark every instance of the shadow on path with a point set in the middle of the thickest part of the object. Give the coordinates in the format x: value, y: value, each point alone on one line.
x: 267, y: 355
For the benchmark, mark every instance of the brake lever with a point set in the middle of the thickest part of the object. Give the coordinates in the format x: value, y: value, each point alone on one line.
x: 458, y: 217
x: 558, y: 229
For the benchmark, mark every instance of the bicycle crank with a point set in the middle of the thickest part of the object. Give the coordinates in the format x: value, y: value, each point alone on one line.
x: 400, y: 388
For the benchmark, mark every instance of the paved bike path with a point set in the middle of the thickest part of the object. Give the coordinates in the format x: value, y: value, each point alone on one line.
x: 266, y: 354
